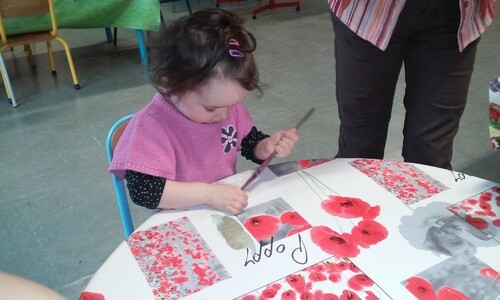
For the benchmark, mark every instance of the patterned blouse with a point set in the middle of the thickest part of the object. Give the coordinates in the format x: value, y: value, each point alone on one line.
x: 374, y: 21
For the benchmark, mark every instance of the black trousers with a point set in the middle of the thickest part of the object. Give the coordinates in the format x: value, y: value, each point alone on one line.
x: 437, y: 78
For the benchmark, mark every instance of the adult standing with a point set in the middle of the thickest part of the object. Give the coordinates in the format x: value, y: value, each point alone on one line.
x: 435, y: 41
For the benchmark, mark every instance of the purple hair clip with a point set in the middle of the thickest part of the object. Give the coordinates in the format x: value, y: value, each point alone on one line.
x: 234, y: 47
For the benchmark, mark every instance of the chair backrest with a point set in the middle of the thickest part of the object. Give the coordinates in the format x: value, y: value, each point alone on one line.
x: 121, y: 194
x: 26, y: 8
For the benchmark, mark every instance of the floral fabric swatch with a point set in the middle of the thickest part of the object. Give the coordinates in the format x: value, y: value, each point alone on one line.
x: 481, y: 211
x: 175, y: 259
x: 403, y: 180
x: 329, y: 279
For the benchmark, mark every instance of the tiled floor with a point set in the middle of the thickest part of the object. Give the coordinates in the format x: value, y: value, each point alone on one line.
x: 57, y: 209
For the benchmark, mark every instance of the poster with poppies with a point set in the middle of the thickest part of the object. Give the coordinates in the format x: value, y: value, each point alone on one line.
x: 456, y: 255
x: 175, y: 259
x: 294, y: 237
x: 331, y: 279
x: 274, y: 219
x: 348, y: 241
x: 456, y: 279
x: 331, y: 231
x: 482, y: 211
x: 403, y: 180
x: 427, y: 235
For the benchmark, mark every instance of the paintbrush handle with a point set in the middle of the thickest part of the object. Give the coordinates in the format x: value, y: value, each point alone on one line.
x: 259, y: 170
x: 305, y: 118
x: 267, y: 161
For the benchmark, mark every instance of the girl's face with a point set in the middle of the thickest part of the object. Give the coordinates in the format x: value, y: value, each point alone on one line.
x: 211, y: 102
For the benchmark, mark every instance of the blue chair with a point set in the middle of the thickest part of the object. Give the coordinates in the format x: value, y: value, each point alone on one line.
x: 121, y: 194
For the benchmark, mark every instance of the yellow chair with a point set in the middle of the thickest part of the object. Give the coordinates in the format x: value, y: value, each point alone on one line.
x: 26, y: 8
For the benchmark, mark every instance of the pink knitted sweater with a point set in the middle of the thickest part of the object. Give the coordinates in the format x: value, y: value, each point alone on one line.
x: 160, y: 141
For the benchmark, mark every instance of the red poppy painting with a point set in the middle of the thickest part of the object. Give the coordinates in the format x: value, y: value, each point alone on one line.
x: 421, y: 288
x: 288, y: 295
x: 274, y: 219
x: 403, y: 180
x: 293, y: 218
x: 368, y: 233
x: 349, y: 295
x: 481, y: 211
x: 345, y: 207
x: 175, y: 259
x: 467, y: 279
x: 309, y: 163
x: 334, y: 243
x: 477, y: 222
x: 359, y: 281
x: 448, y: 293
x: 296, y: 230
x: 331, y: 279
x: 262, y: 227
x: 491, y: 274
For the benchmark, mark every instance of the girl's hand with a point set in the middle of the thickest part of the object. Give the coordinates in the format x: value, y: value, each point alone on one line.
x: 226, y: 197
x: 282, y: 142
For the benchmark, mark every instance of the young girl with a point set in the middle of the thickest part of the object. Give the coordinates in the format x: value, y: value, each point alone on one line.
x: 188, y: 136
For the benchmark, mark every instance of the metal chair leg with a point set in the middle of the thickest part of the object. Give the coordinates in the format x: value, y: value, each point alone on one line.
x: 31, y: 60
x: 142, y: 47
x: 109, y: 35
x: 6, y: 82
x: 70, y: 62
x: 51, y: 58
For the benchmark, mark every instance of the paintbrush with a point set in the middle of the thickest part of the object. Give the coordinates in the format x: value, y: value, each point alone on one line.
x: 273, y: 155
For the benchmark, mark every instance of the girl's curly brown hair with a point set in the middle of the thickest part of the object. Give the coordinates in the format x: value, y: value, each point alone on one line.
x: 194, y: 49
